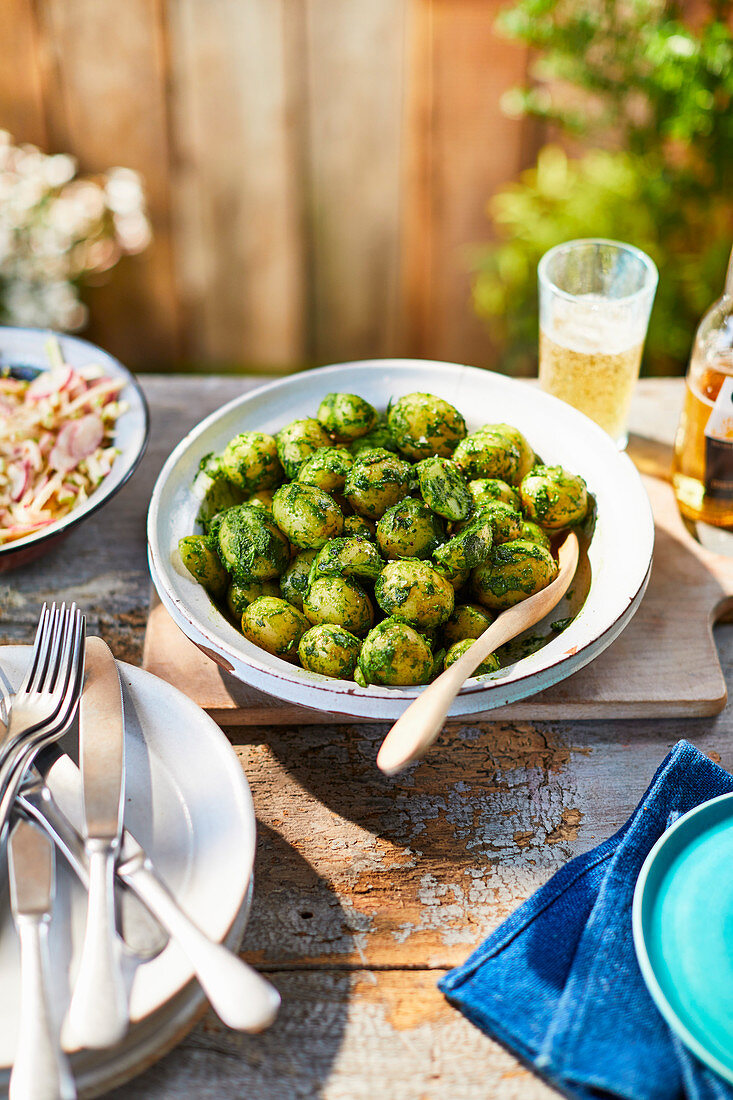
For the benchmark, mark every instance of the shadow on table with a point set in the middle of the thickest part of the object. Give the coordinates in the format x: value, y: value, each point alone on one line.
x: 295, y: 919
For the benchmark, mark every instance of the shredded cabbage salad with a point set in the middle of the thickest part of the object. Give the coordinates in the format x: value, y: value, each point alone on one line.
x: 55, y: 442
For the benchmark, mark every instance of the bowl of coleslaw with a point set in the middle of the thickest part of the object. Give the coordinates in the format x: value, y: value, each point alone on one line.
x: 73, y: 428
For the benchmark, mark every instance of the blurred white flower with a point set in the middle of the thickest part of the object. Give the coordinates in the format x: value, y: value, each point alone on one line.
x: 57, y: 230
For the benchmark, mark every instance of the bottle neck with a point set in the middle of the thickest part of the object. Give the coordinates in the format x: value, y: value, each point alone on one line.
x: 729, y: 278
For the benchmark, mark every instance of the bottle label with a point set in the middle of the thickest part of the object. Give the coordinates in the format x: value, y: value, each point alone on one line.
x: 719, y: 445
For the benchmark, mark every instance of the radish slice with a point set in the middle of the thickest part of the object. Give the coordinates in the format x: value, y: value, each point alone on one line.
x: 20, y: 476
x: 49, y: 382
x: 76, y: 440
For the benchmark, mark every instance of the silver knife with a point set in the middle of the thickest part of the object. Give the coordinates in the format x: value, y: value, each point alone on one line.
x: 237, y: 993
x: 98, y: 1015
x: 40, y: 1070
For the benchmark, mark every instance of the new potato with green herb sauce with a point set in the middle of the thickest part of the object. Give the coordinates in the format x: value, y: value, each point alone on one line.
x: 274, y: 625
x: 330, y: 651
x: 424, y: 425
x: 413, y: 591
x: 308, y: 516
x: 553, y: 498
x: 340, y: 601
x: 250, y: 461
x: 514, y: 571
x: 377, y: 481
x: 251, y: 545
x: 409, y: 530
x: 469, y: 620
x: 394, y: 654
x: 298, y: 571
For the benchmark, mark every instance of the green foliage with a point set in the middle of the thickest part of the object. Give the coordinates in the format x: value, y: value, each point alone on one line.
x: 655, y: 98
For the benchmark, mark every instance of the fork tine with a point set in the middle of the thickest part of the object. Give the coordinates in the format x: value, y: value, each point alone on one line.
x: 72, y: 694
x: 68, y: 660
x: 30, y: 672
x: 46, y: 649
x: 60, y: 656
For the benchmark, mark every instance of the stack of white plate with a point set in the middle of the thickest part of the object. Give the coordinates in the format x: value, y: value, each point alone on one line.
x: 189, y: 805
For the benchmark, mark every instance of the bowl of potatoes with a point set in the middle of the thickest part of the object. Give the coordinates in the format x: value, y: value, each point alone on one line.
x: 339, y: 537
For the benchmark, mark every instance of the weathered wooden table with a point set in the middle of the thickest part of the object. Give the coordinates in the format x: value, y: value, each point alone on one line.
x: 368, y: 889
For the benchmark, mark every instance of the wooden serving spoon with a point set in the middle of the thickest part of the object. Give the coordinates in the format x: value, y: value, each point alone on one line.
x: 414, y: 732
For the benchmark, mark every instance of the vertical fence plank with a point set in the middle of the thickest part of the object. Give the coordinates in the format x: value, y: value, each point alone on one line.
x: 238, y: 178
x: 355, y: 62
x: 462, y: 150
x: 21, y: 93
x: 107, y: 106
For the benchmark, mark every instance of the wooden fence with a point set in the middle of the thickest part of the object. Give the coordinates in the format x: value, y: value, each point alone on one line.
x: 316, y: 169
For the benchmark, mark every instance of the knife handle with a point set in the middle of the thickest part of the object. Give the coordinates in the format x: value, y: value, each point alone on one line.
x: 241, y: 998
x: 40, y: 1070
x: 98, y: 1014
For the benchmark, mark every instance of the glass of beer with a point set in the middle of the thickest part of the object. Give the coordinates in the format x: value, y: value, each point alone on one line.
x: 595, y: 301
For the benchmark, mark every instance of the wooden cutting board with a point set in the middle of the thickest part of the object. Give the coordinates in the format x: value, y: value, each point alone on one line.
x: 665, y: 664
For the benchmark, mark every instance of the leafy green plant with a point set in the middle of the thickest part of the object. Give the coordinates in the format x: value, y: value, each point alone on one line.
x: 651, y: 99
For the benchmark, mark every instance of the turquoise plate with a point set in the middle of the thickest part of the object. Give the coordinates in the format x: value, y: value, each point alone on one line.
x: 683, y: 930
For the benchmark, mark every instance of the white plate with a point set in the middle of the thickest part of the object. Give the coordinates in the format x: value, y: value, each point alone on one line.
x: 188, y: 803
x: 615, y: 574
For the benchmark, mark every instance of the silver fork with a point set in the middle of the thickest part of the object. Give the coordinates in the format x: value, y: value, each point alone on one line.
x: 43, y: 711
x: 36, y: 701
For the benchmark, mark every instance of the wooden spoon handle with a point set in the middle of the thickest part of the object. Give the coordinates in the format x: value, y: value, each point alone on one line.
x: 414, y: 732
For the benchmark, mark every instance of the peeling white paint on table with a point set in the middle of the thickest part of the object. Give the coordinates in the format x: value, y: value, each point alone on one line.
x: 367, y: 889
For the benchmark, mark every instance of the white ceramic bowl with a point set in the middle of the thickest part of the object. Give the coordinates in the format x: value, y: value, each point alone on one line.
x: 605, y: 595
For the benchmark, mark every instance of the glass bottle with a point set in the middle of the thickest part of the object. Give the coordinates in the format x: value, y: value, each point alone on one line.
x: 702, y: 469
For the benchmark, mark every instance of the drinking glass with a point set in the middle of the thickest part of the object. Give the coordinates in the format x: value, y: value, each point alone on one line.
x: 595, y: 300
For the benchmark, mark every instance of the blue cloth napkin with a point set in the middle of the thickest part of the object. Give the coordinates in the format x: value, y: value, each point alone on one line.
x: 558, y: 982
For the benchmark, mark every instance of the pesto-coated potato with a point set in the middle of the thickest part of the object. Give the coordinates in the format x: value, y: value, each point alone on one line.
x: 326, y: 469
x: 411, y: 590
x: 553, y: 498
x: 352, y: 556
x: 357, y: 525
x: 217, y: 495
x: 514, y: 571
x: 250, y: 545
x: 308, y: 516
x: 409, y: 530
x: 471, y: 547
x: 486, y: 490
x: 294, y: 581
x: 506, y: 521
x: 532, y: 532
x: 489, y: 664
x: 443, y: 489
x: 346, y: 416
x: 297, y: 441
x: 274, y: 625
x: 424, y: 425
x: 250, y: 461
x: 527, y: 457
x: 340, y: 601
x: 376, y: 481
x: 488, y: 453
x: 240, y: 594
x: 329, y: 650
x: 203, y: 564
x: 380, y: 437
x: 394, y: 654
x: 469, y: 620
